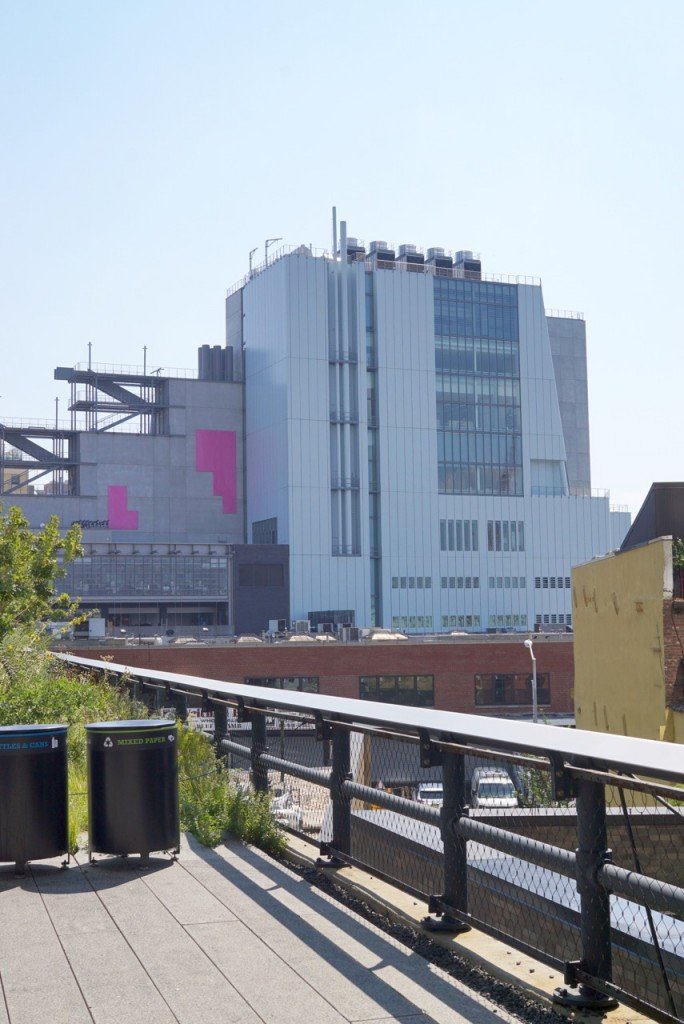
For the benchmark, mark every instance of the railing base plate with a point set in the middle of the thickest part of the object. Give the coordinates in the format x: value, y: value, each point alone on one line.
x: 583, y: 998
x: 445, y: 923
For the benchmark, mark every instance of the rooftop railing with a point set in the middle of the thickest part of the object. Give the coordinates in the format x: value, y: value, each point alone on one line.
x: 565, y: 844
x: 397, y: 264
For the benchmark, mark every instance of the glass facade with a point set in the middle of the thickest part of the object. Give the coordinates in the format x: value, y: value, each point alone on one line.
x: 478, y: 387
x: 148, y: 576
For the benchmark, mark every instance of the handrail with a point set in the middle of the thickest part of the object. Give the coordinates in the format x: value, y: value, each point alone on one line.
x: 494, y: 876
x: 625, y: 753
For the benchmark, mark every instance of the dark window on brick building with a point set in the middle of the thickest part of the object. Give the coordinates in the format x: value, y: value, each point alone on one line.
x: 304, y: 684
x: 511, y: 689
x: 415, y: 690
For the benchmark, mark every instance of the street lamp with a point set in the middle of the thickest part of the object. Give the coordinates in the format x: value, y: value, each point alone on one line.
x: 530, y: 647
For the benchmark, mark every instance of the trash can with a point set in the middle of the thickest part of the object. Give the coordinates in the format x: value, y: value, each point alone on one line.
x: 33, y: 793
x: 133, y: 787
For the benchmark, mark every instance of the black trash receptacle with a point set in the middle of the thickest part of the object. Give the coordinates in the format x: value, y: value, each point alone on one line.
x: 33, y: 793
x: 133, y: 787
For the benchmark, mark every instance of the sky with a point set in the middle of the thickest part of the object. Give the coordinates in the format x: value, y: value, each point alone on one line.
x: 147, y: 147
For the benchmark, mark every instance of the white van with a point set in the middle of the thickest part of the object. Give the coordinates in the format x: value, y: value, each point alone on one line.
x: 431, y: 793
x: 492, y: 787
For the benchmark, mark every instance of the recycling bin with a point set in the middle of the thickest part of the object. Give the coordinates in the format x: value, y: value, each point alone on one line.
x: 133, y: 787
x: 33, y: 793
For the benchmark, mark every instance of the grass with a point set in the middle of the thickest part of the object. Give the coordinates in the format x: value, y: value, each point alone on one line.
x: 35, y: 688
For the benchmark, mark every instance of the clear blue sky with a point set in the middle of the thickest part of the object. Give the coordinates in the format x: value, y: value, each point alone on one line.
x: 148, y: 146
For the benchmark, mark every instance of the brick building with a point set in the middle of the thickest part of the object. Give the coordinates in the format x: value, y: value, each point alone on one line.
x: 489, y: 676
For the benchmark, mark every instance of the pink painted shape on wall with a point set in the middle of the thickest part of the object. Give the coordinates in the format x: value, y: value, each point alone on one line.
x: 120, y: 516
x: 216, y: 453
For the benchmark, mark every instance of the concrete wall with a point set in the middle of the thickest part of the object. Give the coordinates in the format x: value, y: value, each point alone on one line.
x: 568, y: 339
x: 619, y: 641
x: 167, y: 490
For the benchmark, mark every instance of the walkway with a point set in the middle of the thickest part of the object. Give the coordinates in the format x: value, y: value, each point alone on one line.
x: 221, y: 937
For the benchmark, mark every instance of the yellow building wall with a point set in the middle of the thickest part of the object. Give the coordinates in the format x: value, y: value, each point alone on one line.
x: 619, y: 646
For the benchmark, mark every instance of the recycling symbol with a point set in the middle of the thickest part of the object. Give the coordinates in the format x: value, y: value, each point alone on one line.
x: 171, y: 737
x: 108, y: 742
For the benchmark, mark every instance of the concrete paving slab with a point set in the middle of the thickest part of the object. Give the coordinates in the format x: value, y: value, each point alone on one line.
x: 193, y: 987
x: 114, y: 982
x: 185, y: 899
x: 247, y: 962
x: 37, y: 979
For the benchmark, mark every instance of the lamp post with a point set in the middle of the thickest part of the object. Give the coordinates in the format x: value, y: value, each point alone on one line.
x: 530, y: 647
x: 269, y: 241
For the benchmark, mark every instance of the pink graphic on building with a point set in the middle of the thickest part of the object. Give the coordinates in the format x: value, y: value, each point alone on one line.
x: 216, y: 453
x: 120, y: 516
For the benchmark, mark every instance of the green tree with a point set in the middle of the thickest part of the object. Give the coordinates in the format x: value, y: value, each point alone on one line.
x: 31, y: 565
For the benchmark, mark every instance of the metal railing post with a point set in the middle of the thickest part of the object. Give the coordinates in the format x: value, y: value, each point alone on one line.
x: 455, y: 894
x: 340, y: 841
x: 220, y: 722
x: 592, y: 854
x: 259, y: 771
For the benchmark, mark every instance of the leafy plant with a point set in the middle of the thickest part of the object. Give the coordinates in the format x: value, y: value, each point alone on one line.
x: 678, y: 553
x: 212, y: 802
x: 36, y: 688
x: 31, y: 563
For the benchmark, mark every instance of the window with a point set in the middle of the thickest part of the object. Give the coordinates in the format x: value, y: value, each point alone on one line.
x: 511, y: 689
x: 458, y: 535
x: 265, y: 531
x: 414, y: 690
x: 304, y: 684
x: 504, y: 535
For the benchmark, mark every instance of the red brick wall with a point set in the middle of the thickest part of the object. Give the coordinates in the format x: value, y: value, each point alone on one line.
x: 338, y: 667
x: 673, y: 644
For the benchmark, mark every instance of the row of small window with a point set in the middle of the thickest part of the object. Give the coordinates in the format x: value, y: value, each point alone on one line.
x: 552, y: 582
x: 504, y: 535
x: 458, y: 535
x: 411, y: 622
x: 514, y: 689
x: 460, y: 582
x: 460, y: 621
x: 507, y: 621
x: 304, y: 684
x: 411, y: 582
x: 507, y: 583
x: 414, y: 690
x: 419, y: 691
x: 553, y: 620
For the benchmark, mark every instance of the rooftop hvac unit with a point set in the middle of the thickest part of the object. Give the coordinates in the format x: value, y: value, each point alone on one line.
x: 407, y: 250
x: 302, y: 626
x: 435, y: 252
x: 377, y: 246
x: 463, y: 254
